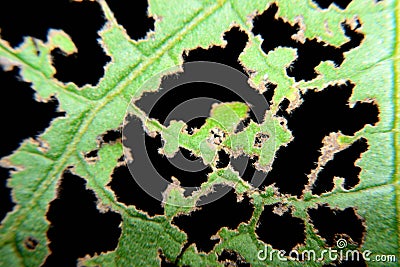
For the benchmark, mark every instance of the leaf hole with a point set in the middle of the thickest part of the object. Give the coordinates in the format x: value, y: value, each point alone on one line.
x: 149, y: 162
x: 245, y: 165
x: 246, y: 122
x: 260, y: 139
x: 321, y: 113
x: 188, y: 154
x: 91, y: 156
x: 277, y: 32
x: 217, y: 136
x: 77, y: 227
x: 224, y: 212
x: 164, y: 107
x: 121, y: 159
x: 127, y: 191
x: 81, y: 21
x: 342, y: 165
x: 324, y: 4
x: 332, y: 224
x: 164, y: 261
x: 133, y: 16
x: 31, y: 243
x: 167, y: 102
x: 280, y: 231
x: 166, y: 169
x: 223, y: 159
x: 232, y: 258
x: 228, y: 55
x: 111, y: 136
x: 195, y: 123
x: 6, y: 201
x: 269, y: 92
x: 24, y: 118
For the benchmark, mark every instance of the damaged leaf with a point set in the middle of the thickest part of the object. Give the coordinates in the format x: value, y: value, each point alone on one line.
x: 76, y: 140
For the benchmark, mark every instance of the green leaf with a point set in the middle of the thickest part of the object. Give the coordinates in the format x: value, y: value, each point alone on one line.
x: 181, y: 26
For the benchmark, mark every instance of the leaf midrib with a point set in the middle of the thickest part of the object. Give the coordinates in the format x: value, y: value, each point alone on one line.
x: 83, y: 127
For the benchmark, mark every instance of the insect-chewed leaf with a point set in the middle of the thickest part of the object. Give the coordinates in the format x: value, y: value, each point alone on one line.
x: 181, y: 26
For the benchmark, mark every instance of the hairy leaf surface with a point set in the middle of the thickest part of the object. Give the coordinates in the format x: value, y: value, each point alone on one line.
x: 182, y: 26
